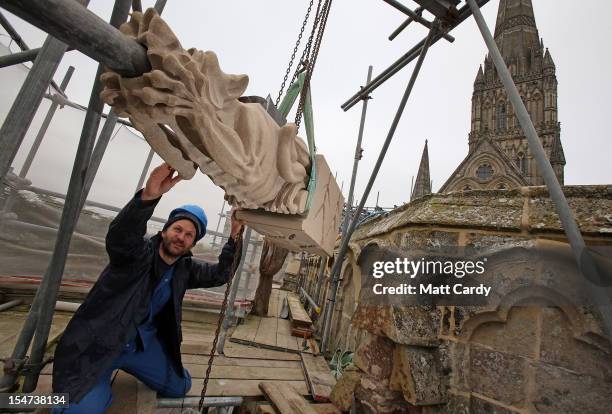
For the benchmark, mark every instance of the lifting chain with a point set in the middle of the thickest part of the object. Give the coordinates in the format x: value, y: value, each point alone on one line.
x: 295, y: 49
x: 236, y: 262
x: 322, y: 22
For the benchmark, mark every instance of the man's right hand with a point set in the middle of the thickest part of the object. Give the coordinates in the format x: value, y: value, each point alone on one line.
x: 160, y: 181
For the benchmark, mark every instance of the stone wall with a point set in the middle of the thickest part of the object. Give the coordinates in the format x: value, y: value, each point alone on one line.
x: 529, y: 350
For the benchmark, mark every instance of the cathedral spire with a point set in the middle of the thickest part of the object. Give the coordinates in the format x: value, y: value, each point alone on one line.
x: 516, y: 31
x: 548, y: 60
x: 479, y: 77
x: 422, y: 185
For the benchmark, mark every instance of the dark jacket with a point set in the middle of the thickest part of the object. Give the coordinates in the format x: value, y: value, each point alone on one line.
x: 119, y: 301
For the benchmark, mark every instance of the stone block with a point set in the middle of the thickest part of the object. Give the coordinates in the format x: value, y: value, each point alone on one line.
x: 375, y: 356
x: 457, y: 404
x: 498, y: 375
x: 560, y: 391
x: 477, y: 209
x: 516, y: 336
x: 460, y: 367
x: 591, y: 206
x: 480, y: 406
x: 374, y: 396
x: 478, y: 243
x: 560, y: 347
x: 426, y: 239
x: 314, y: 232
x: 342, y: 393
x: 418, y: 375
x: 407, y: 325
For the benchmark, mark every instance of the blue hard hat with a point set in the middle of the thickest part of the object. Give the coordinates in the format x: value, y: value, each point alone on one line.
x: 190, y: 212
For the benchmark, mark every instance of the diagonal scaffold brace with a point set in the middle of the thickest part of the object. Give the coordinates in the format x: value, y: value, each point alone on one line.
x: 594, y: 279
x: 335, y: 271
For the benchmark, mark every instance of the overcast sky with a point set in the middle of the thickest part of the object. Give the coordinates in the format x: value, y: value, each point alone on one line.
x: 257, y: 37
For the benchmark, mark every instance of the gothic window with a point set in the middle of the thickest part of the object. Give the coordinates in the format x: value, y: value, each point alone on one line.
x: 467, y: 188
x: 484, y: 172
x: 501, y: 117
x: 521, y: 163
x: 502, y: 186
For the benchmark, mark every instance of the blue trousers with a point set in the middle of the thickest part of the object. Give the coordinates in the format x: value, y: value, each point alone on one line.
x: 151, y: 366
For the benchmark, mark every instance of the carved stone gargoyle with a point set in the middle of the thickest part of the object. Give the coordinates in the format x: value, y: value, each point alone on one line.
x: 188, y: 111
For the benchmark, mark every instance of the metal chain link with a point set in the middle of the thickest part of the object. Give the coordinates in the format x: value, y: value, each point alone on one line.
x: 236, y: 262
x: 306, y: 52
x: 295, y: 49
x: 312, y: 61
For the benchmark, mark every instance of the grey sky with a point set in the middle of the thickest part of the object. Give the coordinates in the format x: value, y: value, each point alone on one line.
x: 257, y: 37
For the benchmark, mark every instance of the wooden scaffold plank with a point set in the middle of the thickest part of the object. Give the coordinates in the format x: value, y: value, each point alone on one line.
x: 319, y: 377
x: 285, y: 398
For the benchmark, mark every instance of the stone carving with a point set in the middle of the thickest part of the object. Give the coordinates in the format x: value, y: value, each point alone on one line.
x: 189, y: 112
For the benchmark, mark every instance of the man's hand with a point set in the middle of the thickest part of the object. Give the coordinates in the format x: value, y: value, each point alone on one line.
x: 237, y: 225
x: 160, y: 181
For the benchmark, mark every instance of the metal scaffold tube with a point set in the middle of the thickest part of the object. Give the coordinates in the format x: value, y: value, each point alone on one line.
x: 408, y: 57
x: 358, y: 151
x: 584, y: 260
x: 25, y: 168
x: 28, y: 100
x: 335, y: 272
x: 70, y: 22
x: 82, y: 174
x: 229, y: 310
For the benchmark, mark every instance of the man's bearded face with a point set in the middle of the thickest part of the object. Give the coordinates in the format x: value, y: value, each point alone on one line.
x: 178, y: 238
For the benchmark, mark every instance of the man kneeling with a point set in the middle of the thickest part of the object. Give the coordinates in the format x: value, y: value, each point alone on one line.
x: 131, y: 318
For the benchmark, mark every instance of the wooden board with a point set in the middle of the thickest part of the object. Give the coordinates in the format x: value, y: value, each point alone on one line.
x: 266, y: 334
x: 297, y: 313
x: 216, y: 387
x: 11, y: 322
x: 327, y: 408
x: 319, y: 377
x: 284, y: 339
x: 240, y: 388
x: 246, y: 331
x: 285, y: 398
x: 254, y: 373
x: 222, y: 360
x: 242, y: 351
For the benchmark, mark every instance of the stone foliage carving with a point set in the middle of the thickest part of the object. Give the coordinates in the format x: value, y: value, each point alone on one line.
x: 189, y: 112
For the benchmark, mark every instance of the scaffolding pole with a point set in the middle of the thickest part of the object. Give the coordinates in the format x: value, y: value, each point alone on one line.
x: 86, y: 162
x: 229, y: 309
x: 408, y: 57
x: 584, y: 260
x: 28, y: 100
x: 358, y: 150
x: 335, y: 272
x: 221, y: 215
x: 43, y: 128
x: 22, y: 45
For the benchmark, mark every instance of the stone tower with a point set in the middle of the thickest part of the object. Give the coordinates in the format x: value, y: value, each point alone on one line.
x: 498, y: 156
x: 422, y: 185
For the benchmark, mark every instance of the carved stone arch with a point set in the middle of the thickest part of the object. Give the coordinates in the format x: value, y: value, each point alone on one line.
x: 535, y: 295
x: 537, y: 106
x: 466, y: 184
